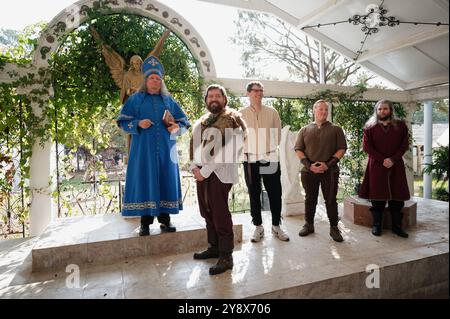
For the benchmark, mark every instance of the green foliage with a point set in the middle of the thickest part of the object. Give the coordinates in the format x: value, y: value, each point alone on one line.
x: 82, y: 112
x: 8, y: 37
x: 17, y: 129
x: 17, y: 47
x: 19, y: 126
x: 86, y: 100
x: 293, y: 112
x: 440, y: 112
x: 440, y: 193
x: 439, y: 166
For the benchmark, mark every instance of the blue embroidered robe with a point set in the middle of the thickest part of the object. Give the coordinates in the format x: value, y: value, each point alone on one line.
x: 152, y: 182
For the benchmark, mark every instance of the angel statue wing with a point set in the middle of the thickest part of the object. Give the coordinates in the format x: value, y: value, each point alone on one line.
x: 113, y: 59
x: 159, y: 46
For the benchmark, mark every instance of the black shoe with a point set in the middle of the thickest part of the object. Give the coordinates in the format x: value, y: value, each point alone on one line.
x: 376, y: 230
x: 335, y: 233
x: 398, y: 231
x: 209, y: 253
x: 223, y: 264
x: 306, y: 230
x: 377, y: 222
x: 168, y: 228
x: 397, y: 218
x: 144, y: 230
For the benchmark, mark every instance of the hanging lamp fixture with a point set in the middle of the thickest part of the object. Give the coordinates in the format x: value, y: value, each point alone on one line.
x: 371, y: 22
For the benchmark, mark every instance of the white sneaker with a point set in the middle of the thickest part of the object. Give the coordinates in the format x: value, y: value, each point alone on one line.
x: 280, y: 233
x: 258, y: 234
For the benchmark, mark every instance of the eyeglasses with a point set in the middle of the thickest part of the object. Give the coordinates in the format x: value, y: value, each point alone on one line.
x: 257, y: 90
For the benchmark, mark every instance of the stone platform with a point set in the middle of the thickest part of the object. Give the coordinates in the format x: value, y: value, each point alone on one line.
x: 105, y: 239
x: 357, y: 211
x: 305, y: 267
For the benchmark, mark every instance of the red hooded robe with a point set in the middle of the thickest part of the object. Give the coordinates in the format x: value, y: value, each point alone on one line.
x: 381, y: 183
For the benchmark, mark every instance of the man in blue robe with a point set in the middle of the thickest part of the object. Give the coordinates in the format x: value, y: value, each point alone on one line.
x: 153, y: 186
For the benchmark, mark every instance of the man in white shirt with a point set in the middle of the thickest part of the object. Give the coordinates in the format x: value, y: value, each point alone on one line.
x: 214, y: 155
x: 261, y: 160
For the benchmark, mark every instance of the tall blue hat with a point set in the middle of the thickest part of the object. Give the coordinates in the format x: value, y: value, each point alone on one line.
x: 152, y: 65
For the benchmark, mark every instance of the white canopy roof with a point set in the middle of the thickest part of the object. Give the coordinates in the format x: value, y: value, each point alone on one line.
x: 410, y: 56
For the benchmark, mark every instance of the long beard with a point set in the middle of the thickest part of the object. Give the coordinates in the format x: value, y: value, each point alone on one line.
x: 384, y: 118
x: 215, y: 108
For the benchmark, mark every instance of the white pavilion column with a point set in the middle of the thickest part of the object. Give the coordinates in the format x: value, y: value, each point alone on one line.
x: 41, y: 209
x: 408, y: 157
x: 428, y: 143
x: 41, y: 183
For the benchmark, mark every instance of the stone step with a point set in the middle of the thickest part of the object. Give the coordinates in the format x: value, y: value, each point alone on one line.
x: 104, y: 239
x: 356, y: 280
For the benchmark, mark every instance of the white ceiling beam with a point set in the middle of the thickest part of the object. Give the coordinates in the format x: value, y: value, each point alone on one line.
x: 350, y: 54
x: 443, y: 4
x: 296, y: 89
x: 430, y: 93
x: 312, y: 16
x: 417, y: 38
x: 428, y: 82
x: 429, y: 57
x: 266, y: 6
x: 384, y: 74
x: 269, y: 7
x: 258, y: 5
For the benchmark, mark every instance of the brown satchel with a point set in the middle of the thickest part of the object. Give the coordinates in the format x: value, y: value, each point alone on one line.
x: 168, y: 118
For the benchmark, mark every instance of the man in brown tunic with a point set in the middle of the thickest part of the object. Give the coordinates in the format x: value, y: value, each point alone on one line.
x: 385, y: 140
x: 214, y: 155
x: 320, y: 145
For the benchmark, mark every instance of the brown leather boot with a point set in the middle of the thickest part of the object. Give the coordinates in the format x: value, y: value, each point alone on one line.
x: 211, y: 252
x: 223, y: 264
x: 335, y: 233
x: 306, y: 230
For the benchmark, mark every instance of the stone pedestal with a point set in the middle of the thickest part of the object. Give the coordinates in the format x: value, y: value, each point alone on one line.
x: 357, y: 210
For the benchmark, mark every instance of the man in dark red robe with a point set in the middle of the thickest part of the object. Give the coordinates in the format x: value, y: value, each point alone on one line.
x: 385, y: 140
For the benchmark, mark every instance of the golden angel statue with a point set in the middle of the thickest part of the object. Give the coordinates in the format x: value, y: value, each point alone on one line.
x: 128, y: 81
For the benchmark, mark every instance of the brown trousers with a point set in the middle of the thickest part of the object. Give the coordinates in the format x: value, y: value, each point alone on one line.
x: 328, y: 181
x: 213, y: 202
